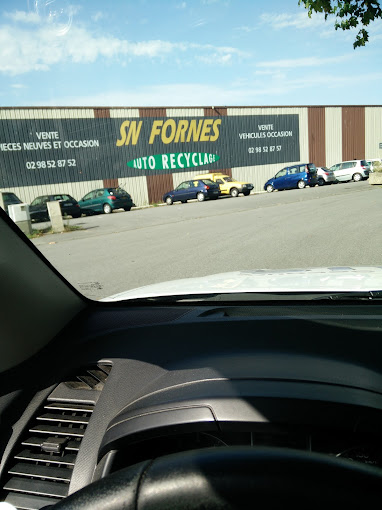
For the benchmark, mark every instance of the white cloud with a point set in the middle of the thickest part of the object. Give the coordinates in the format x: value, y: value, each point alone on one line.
x: 181, y: 5
x: 97, y: 16
x: 23, y: 17
x: 198, y: 23
x: 23, y: 50
x: 257, y: 91
x: 246, y: 29
x: 18, y: 86
x: 303, y: 62
x: 216, y: 58
x: 300, y: 20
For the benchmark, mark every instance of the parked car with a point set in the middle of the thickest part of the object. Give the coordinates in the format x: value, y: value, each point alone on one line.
x: 228, y: 185
x: 38, y: 209
x: 188, y: 190
x: 374, y: 162
x: 325, y: 176
x: 294, y: 176
x: 105, y: 200
x: 356, y: 169
x: 10, y: 198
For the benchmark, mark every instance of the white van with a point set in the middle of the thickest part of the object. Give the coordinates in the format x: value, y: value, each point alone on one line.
x: 356, y: 169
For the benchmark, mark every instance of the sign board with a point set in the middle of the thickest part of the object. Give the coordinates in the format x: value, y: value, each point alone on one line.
x: 45, y: 151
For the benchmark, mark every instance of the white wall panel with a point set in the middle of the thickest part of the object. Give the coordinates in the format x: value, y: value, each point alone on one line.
x: 185, y: 112
x: 373, y: 132
x: 76, y: 189
x: 333, y: 135
x: 124, y: 113
x: 187, y: 176
x: 257, y: 175
x: 137, y: 188
x: 47, y: 113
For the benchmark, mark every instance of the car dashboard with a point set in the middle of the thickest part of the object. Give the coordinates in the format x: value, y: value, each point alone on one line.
x: 123, y: 384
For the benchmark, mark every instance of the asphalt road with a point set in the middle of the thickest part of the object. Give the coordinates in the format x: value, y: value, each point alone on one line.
x: 335, y: 225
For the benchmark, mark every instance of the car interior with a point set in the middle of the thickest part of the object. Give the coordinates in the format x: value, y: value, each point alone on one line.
x: 193, y: 403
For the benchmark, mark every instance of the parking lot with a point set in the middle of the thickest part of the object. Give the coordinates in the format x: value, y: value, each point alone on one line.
x: 333, y: 225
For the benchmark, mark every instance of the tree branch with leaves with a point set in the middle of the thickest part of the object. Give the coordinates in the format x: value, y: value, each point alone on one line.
x: 349, y: 14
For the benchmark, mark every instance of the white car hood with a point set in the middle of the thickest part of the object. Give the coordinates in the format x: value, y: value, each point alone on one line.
x: 326, y: 279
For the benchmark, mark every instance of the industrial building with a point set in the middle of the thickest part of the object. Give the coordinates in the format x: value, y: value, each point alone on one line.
x: 149, y: 151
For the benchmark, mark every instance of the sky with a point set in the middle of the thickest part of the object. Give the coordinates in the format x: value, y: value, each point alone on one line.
x: 181, y: 53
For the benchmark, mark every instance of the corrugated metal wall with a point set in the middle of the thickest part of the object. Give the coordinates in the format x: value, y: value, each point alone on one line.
x: 157, y: 185
x: 75, y: 189
x: 316, y: 131
x: 373, y: 132
x: 353, y: 132
x: 333, y: 135
x: 327, y: 135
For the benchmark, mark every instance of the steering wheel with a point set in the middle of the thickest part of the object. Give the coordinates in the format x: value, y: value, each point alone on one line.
x: 228, y: 478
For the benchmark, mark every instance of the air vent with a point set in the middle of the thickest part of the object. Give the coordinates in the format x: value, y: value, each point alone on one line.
x: 42, y: 466
x: 92, y: 378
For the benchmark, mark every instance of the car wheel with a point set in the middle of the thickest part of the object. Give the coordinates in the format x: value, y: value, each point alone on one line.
x: 234, y: 192
x: 357, y: 177
x: 246, y: 193
x: 77, y: 215
x: 200, y: 196
x: 301, y: 184
x: 320, y: 181
x: 169, y: 201
x: 107, y: 208
x: 270, y: 188
x: 127, y: 208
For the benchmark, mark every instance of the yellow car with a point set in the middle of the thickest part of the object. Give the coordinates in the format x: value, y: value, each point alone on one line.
x: 228, y: 185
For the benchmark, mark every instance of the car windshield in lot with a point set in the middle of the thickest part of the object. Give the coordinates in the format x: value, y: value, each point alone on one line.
x: 125, y: 108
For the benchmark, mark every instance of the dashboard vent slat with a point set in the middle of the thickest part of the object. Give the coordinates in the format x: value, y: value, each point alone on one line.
x: 64, y: 406
x: 39, y: 471
x: 83, y: 420
x: 56, y: 429
x: 66, y: 460
x: 92, y: 378
x: 28, y: 501
x: 73, y: 445
x: 38, y: 487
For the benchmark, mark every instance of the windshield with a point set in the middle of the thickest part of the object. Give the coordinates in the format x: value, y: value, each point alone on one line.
x: 140, y: 97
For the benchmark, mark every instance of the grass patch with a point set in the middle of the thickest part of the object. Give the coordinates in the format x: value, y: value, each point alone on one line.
x: 48, y: 230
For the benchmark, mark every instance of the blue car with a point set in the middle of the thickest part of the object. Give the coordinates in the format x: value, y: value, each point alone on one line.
x: 295, y: 176
x: 189, y: 190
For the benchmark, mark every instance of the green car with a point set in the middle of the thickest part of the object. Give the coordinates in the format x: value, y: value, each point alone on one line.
x: 105, y: 200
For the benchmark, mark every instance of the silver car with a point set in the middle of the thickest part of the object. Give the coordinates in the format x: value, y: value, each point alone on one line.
x: 356, y: 169
x: 325, y: 176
